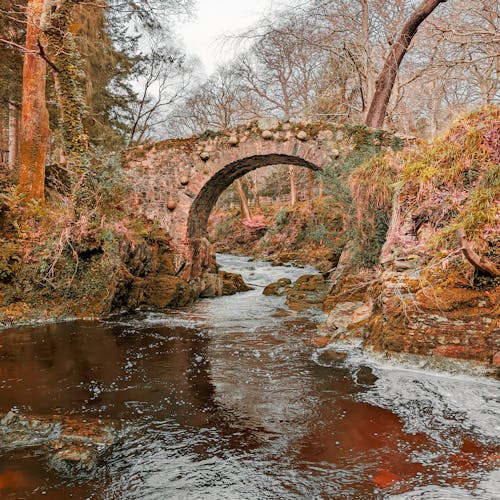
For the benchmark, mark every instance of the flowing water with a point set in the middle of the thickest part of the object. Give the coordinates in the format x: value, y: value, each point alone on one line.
x: 225, y: 399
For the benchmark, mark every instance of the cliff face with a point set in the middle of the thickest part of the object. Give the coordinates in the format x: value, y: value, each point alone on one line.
x: 436, y: 290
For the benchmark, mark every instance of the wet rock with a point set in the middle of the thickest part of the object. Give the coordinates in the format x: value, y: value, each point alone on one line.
x: 279, y: 287
x: 232, y: 283
x: 329, y: 355
x: 365, y: 376
x: 70, y: 445
x: 340, y: 316
x: 308, y: 291
x: 320, y: 342
x: 74, y: 459
x: 8, y: 419
x: 309, y: 283
x: 160, y: 292
x: 210, y: 285
x: 335, y: 355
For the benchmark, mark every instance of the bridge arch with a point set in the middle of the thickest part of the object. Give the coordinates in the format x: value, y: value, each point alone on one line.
x: 216, y: 185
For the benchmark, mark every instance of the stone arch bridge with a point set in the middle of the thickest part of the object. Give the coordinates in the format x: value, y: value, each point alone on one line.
x: 176, y: 182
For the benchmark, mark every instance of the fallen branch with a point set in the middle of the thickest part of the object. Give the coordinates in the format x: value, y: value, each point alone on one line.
x: 481, y: 263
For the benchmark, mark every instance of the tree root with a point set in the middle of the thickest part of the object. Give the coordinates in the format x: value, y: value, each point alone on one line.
x: 481, y: 263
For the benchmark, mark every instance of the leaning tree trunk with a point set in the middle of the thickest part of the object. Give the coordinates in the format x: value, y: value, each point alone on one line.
x: 34, y: 128
x: 245, y: 208
x: 387, y: 77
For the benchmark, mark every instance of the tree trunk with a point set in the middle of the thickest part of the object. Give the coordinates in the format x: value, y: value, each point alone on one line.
x: 366, y: 46
x: 63, y: 52
x: 34, y: 129
x: 245, y: 209
x: 255, y: 186
x: 293, y: 185
x: 13, y: 135
x: 387, y: 77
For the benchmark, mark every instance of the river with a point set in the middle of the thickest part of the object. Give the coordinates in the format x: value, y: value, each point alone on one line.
x: 226, y: 399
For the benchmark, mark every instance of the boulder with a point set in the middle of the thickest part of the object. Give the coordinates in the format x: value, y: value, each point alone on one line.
x: 232, y: 283
x: 268, y: 123
x: 320, y: 341
x: 309, y: 283
x: 279, y: 287
x: 74, y: 459
x: 308, y: 291
x: 210, y: 285
x: 340, y: 318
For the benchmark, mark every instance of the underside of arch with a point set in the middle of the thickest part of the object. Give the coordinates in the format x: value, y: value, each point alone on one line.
x: 209, y: 194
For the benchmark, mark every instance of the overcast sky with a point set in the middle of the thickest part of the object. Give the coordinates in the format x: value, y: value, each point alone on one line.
x: 215, y: 18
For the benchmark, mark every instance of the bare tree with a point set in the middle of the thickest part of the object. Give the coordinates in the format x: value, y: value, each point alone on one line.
x: 166, y: 75
x: 218, y: 103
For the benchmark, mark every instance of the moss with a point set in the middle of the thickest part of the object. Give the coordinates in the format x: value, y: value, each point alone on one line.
x: 69, y: 87
x: 453, y: 184
x: 210, y: 134
x: 461, y: 169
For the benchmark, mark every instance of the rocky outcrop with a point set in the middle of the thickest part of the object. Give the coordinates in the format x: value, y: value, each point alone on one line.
x: 160, y: 292
x: 417, y: 317
x: 73, y: 446
x: 398, y: 311
x: 100, y: 278
x: 435, y: 292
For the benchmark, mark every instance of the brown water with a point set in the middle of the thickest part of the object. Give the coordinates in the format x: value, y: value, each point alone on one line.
x: 225, y: 400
